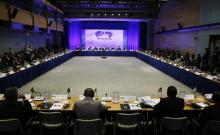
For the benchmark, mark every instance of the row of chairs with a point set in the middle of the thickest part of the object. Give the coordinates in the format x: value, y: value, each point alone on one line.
x: 131, y: 123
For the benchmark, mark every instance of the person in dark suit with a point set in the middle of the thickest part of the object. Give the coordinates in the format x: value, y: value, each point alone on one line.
x: 170, y: 106
x: 211, y: 112
x: 89, y: 108
x: 11, y: 108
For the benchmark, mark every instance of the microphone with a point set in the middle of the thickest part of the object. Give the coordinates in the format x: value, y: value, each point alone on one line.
x: 33, y: 92
x: 68, y: 93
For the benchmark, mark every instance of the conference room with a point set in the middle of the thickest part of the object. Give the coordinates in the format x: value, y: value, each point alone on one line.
x: 109, y: 67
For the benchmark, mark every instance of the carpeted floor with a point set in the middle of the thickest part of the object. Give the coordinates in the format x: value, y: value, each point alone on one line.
x: 128, y: 75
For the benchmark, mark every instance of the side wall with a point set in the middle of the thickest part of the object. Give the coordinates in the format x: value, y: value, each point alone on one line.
x: 18, y: 40
x: 188, y: 13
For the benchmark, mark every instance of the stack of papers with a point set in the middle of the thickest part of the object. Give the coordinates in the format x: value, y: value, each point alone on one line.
x: 150, y: 102
x: 201, y: 105
x: 56, y: 106
x: 135, y: 107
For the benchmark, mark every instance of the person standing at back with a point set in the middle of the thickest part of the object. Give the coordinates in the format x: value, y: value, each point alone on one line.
x: 170, y: 106
x: 89, y: 108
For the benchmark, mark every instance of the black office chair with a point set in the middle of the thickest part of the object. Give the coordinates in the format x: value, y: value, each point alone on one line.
x: 212, y: 128
x: 11, y: 127
x: 52, y: 122
x: 173, y: 126
x: 89, y: 127
x: 130, y: 122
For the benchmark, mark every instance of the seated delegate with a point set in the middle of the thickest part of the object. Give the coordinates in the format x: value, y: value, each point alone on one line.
x: 89, y: 108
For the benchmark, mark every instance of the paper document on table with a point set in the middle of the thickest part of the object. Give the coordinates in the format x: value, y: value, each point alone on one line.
x: 189, y: 97
x: 187, y: 69
x: 33, y: 105
x: 106, y: 99
x: 1, y: 96
x: 59, y: 97
x: 150, y: 102
x: 208, y: 96
x: 145, y: 97
x: 135, y: 107
x: 11, y: 72
x: 128, y: 98
x: 38, y: 98
x: 197, y: 73
x: 209, y: 77
x: 22, y: 68
x: 56, y: 106
x: 3, y: 75
x: 27, y: 96
x: 202, y: 105
x: 156, y: 101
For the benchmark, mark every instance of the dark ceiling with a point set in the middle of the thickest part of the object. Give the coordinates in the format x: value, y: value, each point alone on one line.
x: 109, y: 8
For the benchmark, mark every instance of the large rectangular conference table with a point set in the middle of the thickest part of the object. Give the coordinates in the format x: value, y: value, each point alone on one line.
x: 202, y: 84
x: 188, y: 78
x: 20, y: 78
x: 112, y: 107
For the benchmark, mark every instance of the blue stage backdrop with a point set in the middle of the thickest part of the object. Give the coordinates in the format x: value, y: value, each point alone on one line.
x: 104, y: 30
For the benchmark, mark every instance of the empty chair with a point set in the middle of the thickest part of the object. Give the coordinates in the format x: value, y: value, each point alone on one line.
x: 176, y: 126
x: 89, y: 127
x: 130, y: 122
x: 11, y: 127
x: 212, y: 128
x: 52, y: 122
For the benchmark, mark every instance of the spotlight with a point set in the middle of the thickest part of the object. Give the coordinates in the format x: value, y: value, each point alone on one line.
x: 105, y: 14
x: 91, y: 14
x: 98, y: 14
x: 119, y: 14
x: 112, y: 14
x: 126, y: 14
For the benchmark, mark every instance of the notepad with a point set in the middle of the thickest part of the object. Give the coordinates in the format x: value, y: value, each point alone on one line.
x: 135, y: 107
x: 56, y: 106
